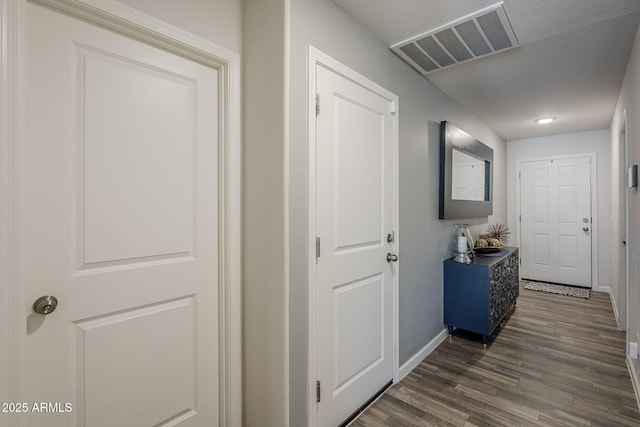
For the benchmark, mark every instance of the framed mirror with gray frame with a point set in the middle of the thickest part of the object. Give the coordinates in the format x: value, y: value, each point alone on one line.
x: 466, y: 175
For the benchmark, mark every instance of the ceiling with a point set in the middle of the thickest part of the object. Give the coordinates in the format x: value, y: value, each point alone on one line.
x: 569, y: 64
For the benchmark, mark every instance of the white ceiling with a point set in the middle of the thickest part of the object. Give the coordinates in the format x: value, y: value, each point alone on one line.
x: 570, y: 63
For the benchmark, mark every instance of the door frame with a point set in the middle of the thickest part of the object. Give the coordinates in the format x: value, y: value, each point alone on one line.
x: 318, y: 58
x: 136, y: 25
x: 594, y: 206
x: 623, y: 165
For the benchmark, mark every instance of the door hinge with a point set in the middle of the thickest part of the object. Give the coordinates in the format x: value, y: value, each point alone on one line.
x: 520, y: 217
x: 317, y: 248
x: 317, y: 391
x: 317, y: 104
x: 392, y: 107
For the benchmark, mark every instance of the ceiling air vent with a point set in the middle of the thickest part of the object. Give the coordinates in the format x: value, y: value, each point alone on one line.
x: 482, y: 33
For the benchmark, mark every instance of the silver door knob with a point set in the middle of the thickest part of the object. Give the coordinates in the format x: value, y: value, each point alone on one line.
x: 585, y: 228
x: 392, y: 257
x: 45, y: 305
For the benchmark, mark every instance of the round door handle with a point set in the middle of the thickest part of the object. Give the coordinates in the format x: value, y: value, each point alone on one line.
x: 45, y: 305
x: 392, y: 257
x: 585, y: 228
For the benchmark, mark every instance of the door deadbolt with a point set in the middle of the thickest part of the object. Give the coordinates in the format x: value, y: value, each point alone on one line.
x: 392, y: 257
x: 45, y: 304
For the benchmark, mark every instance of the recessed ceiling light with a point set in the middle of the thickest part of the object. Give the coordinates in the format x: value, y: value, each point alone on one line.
x: 545, y: 120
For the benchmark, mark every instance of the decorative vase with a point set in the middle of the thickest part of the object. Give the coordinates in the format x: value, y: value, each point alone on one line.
x: 462, y: 244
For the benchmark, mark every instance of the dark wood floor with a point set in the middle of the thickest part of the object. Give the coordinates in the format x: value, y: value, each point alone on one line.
x: 557, y: 361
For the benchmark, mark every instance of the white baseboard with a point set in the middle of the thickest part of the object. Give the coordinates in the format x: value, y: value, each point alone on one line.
x: 606, y: 289
x: 634, y: 379
x: 420, y: 355
x: 614, y: 304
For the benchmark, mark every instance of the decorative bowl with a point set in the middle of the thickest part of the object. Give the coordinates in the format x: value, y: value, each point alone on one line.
x: 490, y: 250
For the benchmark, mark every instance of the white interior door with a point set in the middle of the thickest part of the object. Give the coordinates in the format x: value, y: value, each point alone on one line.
x: 556, y: 220
x: 121, y: 227
x: 355, y: 209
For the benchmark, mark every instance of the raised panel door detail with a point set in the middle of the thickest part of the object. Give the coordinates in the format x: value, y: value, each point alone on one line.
x: 143, y: 350
x: 540, y: 172
x: 568, y: 171
x: 568, y: 251
x: 136, y: 160
x: 567, y: 204
x: 359, y: 328
x: 358, y: 178
x: 541, y: 204
x: 541, y: 249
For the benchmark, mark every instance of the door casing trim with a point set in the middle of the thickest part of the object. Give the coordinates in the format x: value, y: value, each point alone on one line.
x: 134, y: 24
x: 623, y: 151
x: 319, y: 58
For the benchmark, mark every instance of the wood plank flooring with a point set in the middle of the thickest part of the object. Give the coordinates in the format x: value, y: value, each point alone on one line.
x: 557, y: 361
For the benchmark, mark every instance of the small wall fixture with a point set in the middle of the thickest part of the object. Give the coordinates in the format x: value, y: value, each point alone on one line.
x: 545, y: 120
x: 633, y: 176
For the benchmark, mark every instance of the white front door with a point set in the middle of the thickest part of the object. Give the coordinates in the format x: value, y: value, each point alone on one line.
x: 355, y: 213
x: 555, y: 214
x: 121, y: 227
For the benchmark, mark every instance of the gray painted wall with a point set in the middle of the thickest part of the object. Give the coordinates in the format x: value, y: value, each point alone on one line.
x: 630, y: 100
x: 264, y: 263
x: 424, y: 240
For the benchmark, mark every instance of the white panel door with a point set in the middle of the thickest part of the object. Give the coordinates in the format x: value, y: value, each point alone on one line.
x: 556, y: 220
x: 121, y: 226
x: 354, y: 215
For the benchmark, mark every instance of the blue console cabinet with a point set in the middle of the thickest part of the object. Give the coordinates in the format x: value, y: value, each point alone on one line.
x: 477, y: 296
